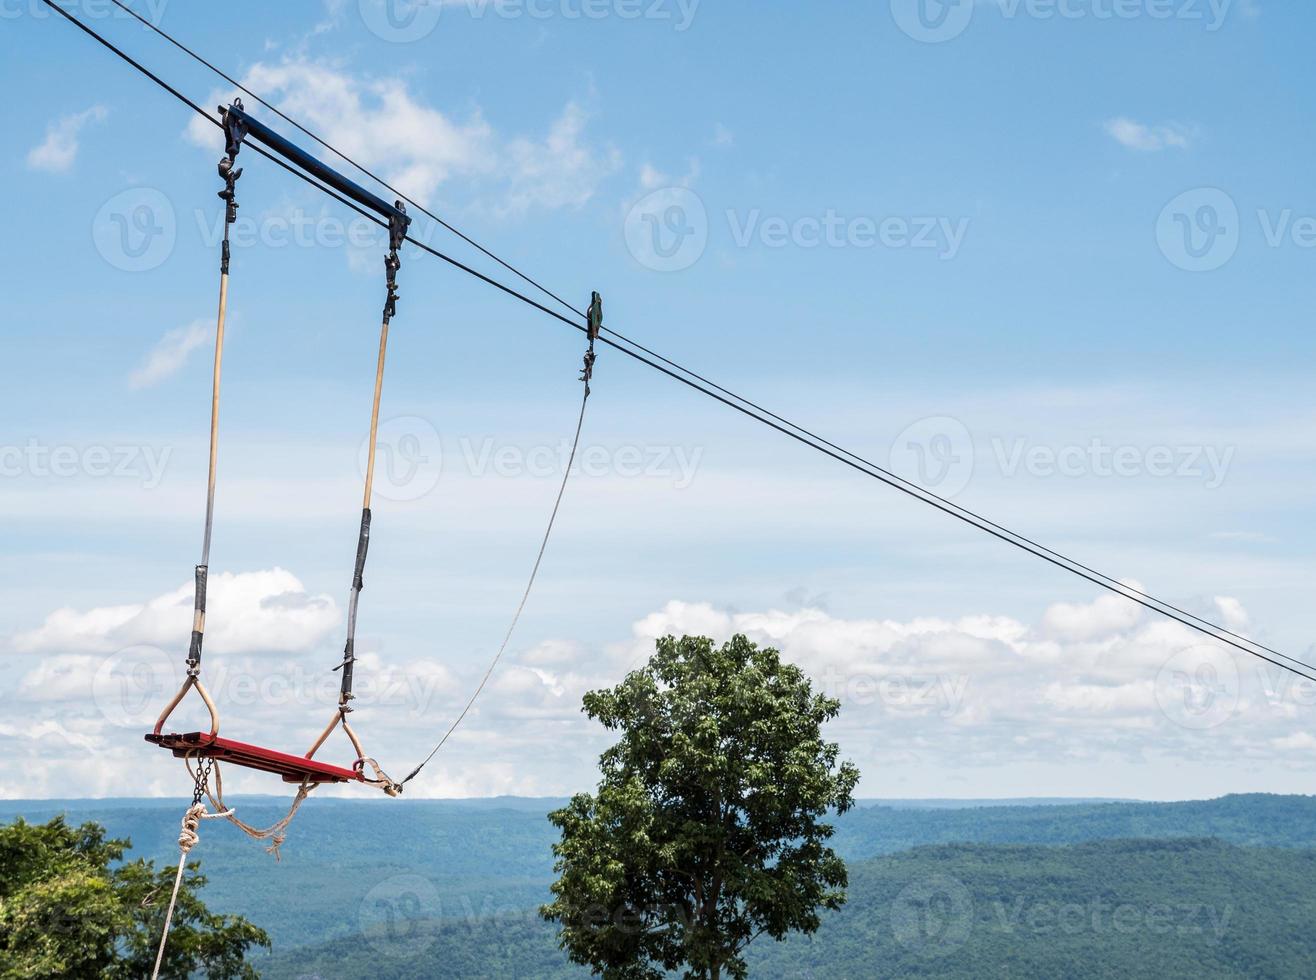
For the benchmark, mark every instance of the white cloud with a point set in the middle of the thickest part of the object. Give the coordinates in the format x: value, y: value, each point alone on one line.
x: 57, y: 153
x: 1148, y: 139
x: 1108, y: 614
x: 247, y: 612
x: 559, y: 172
x: 651, y: 178
x: 1080, y: 684
x: 170, y: 353
x: 387, y: 128
x: 723, y: 137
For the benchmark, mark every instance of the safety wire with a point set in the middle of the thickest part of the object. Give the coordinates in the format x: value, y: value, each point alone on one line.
x: 587, y: 376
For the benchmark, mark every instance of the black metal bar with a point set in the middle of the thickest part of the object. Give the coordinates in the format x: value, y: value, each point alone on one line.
x: 295, y: 155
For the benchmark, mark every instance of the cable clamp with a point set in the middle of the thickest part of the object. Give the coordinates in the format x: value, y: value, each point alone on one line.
x: 594, y: 328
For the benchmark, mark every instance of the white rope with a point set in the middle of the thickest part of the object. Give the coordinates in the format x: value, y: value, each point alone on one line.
x: 276, y: 834
x: 187, y: 839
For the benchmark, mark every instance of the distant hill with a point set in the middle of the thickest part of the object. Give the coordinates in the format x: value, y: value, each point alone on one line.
x: 346, y: 861
x: 1165, y: 909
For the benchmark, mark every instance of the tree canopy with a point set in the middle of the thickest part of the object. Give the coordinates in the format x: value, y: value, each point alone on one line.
x: 71, y: 907
x: 709, y: 827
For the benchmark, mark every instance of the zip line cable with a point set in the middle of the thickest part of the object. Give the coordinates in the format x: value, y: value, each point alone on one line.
x: 548, y: 292
x: 947, y: 501
x: 337, y: 152
x: 780, y: 424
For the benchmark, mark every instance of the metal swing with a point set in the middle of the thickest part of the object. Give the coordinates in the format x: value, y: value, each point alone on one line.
x: 305, y: 770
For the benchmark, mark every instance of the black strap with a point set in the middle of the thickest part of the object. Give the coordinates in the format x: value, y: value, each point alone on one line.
x: 199, y: 617
x: 358, y: 583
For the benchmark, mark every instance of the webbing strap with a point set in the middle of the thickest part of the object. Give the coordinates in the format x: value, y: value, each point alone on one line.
x: 229, y: 173
x: 392, y: 263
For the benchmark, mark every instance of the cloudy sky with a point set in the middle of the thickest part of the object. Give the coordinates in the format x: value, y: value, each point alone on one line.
x: 1053, y: 260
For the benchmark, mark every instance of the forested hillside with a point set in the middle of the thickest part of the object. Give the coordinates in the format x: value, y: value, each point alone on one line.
x: 345, y: 869
x: 1108, y: 909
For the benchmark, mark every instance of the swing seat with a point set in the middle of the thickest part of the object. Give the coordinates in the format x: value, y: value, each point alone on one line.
x: 293, y: 768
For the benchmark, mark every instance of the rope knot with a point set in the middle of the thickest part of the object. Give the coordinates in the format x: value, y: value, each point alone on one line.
x: 188, y: 836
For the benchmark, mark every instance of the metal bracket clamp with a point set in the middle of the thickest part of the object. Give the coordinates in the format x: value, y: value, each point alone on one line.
x: 595, y: 327
x: 398, y: 223
x: 235, y: 131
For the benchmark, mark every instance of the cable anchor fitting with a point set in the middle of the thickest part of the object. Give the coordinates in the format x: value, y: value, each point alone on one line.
x: 595, y: 327
x: 398, y: 223
x: 235, y: 132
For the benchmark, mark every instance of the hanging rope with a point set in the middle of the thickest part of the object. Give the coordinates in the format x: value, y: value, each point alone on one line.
x: 587, y: 375
x: 275, y: 834
x: 188, y: 838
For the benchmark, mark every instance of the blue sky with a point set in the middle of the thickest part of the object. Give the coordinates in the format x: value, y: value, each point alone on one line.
x: 1051, y: 258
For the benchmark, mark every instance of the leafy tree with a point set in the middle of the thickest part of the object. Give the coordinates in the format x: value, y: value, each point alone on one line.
x: 708, y: 828
x: 70, y: 908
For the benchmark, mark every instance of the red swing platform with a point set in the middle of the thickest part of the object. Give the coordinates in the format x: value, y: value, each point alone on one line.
x: 293, y: 768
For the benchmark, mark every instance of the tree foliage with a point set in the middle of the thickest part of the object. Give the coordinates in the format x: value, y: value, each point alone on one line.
x: 708, y: 828
x: 70, y: 907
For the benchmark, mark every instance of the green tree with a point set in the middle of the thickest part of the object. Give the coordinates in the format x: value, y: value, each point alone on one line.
x: 70, y: 907
x: 708, y: 828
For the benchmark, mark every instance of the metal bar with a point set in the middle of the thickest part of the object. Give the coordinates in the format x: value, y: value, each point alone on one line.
x: 295, y: 155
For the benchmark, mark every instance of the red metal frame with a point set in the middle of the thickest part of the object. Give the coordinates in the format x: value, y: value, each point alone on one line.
x: 293, y: 768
